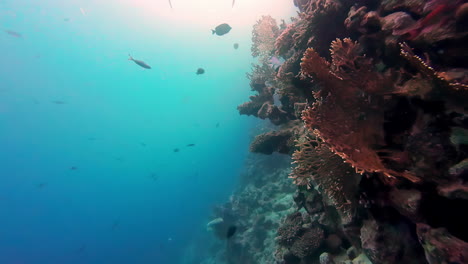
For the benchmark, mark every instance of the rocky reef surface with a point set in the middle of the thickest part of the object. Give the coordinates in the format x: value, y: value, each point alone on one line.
x: 369, y: 98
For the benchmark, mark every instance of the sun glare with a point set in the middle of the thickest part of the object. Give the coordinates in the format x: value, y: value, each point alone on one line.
x: 207, y: 12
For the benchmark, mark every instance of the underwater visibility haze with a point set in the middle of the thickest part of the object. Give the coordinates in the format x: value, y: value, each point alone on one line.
x: 233, y: 131
x: 88, y: 168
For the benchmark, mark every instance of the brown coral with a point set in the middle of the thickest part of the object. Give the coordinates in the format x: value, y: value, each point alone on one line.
x: 440, y: 246
x: 348, y: 115
x: 308, y: 243
x: 316, y: 165
x: 276, y: 141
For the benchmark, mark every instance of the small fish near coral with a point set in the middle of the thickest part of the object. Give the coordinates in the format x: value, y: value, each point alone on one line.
x: 200, y: 71
x: 221, y: 29
x: 139, y: 62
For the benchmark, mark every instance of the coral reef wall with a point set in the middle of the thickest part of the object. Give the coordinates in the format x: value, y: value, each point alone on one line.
x: 369, y: 98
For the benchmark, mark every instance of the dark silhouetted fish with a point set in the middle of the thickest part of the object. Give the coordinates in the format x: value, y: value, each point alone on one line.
x: 236, y: 45
x: 200, y: 71
x: 221, y: 29
x: 154, y: 176
x: 139, y: 62
x: 176, y: 150
x: 191, y: 145
x: 73, y: 168
x: 115, y: 224
x: 231, y: 231
x: 41, y: 185
x: 81, y: 249
x: 13, y: 33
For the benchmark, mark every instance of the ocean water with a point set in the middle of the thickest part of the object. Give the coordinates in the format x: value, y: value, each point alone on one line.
x: 88, y: 162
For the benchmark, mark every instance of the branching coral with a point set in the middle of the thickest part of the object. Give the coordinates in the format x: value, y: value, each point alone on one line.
x: 285, y: 40
x: 348, y: 115
x: 429, y: 72
x: 433, y: 85
x: 264, y: 34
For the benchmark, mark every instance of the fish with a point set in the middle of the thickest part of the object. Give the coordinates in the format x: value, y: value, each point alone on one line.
x: 176, y: 150
x: 191, y: 145
x: 221, y: 29
x: 236, y: 45
x: 170, y: 4
x: 73, y: 168
x: 231, y: 231
x: 41, y: 185
x: 139, y: 62
x: 13, y: 33
x: 200, y: 71
x: 115, y: 224
x: 154, y: 176
x: 81, y: 249
x: 143, y: 144
x: 217, y: 125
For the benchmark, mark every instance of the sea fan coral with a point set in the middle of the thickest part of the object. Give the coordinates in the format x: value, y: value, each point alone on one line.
x: 264, y: 35
x: 316, y: 165
x: 348, y: 115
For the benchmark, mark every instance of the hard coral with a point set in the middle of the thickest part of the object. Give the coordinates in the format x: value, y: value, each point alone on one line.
x: 440, y: 246
x: 287, y: 233
x: 276, y: 141
x: 308, y: 243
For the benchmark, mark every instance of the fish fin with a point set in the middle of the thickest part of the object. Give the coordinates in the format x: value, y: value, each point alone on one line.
x: 213, y: 32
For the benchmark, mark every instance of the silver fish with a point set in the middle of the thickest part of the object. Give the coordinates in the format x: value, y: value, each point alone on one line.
x: 139, y: 62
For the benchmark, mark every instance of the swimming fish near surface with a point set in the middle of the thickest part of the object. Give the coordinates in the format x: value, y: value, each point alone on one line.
x: 191, y: 145
x: 139, y: 62
x: 221, y: 29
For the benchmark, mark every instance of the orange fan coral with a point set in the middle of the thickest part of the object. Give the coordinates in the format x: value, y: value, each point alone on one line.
x: 348, y: 115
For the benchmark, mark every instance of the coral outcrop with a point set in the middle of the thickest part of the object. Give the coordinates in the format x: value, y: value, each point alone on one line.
x: 370, y: 100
